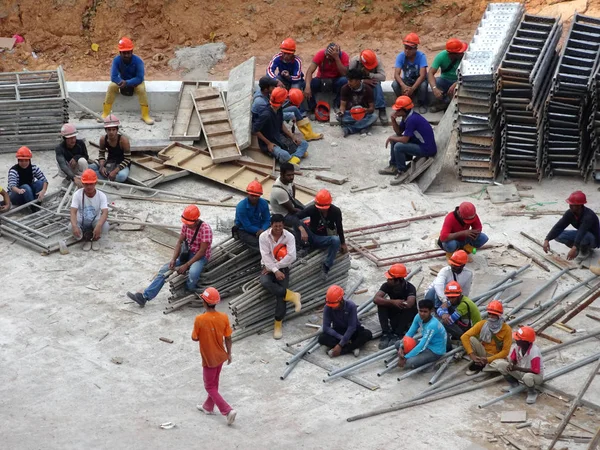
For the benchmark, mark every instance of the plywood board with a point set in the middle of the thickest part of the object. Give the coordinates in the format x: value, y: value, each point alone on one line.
x: 240, y: 86
x: 186, y: 123
x: 150, y: 171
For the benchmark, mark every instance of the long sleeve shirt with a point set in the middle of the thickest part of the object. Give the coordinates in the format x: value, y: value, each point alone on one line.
x: 445, y: 276
x: 64, y: 155
x: 453, y: 224
x: 587, y: 223
x: 498, y: 347
x: 252, y: 218
x: 345, y: 318
x: 15, y: 181
x: 433, y: 336
x: 278, y: 65
x: 378, y: 73
x: 466, y: 311
x: 324, y: 225
x: 267, y: 244
x: 132, y: 73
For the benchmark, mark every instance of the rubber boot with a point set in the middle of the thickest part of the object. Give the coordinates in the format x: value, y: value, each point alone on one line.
x: 532, y: 396
x: 595, y: 269
x: 294, y: 160
x: 277, y: 331
x: 306, y: 128
x: 106, y: 109
x: 146, y: 115
x: 293, y: 297
x: 468, y: 248
x: 448, y: 256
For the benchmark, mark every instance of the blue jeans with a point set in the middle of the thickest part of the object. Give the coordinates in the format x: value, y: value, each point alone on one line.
x: 567, y: 237
x: 291, y: 113
x: 31, y: 192
x: 400, y: 151
x: 431, y: 295
x: 283, y: 156
x: 356, y: 126
x: 332, y: 243
x: 121, y: 177
x: 378, y: 94
x: 452, y: 246
x: 443, y: 85
x: 422, y: 93
x: 193, y: 277
x: 315, y: 86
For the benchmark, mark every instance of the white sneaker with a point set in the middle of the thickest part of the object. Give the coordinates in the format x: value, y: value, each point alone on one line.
x: 205, y: 411
x: 330, y: 353
x: 231, y: 416
x: 356, y: 352
x: 87, y: 246
x: 95, y: 245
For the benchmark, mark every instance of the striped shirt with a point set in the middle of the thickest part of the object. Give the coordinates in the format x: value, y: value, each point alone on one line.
x: 278, y: 65
x: 13, y: 177
x: 204, y: 235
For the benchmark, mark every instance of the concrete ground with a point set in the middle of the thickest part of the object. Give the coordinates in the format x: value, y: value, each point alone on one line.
x: 64, y: 318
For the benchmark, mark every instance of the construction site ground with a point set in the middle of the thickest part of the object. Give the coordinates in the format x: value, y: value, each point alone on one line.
x: 65, y: 318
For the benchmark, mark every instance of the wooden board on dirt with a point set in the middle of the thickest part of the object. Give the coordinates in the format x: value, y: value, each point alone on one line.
x: 149, y: 171
x: 186, y: 123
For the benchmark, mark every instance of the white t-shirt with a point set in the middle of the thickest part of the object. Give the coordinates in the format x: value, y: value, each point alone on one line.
x: 92, y: 207
x: 280, y: 196
x: 445, y: 276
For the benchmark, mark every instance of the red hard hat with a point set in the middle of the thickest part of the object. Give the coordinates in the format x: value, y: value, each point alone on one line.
x: 322, y: 111
x: 125, y: 44
x: 577, y: 198
x: 24, y: 153
x: 459, y: 258
x: 334, y: 295
x: 111, y: 121
x: 254, y: 188
x: 368, y: 58
x: 211, y: 296
x: 526, y: 334
x: 453, y: 289
x: 396, y: 271
x: 280, y: 251
x: 408, y: 343
x: 467, y: 212
x: 454, y: 45
x: 296, y: 96
x: 403, y: 102
x: 412, y: 39
x: 190, y: 214
x: 89, y: 177
x: 495, y: 307
x: 288, y: 46
x: 358, y: 112
x: 323, y: 199
x: 68, y: 130
x: 278, y: 96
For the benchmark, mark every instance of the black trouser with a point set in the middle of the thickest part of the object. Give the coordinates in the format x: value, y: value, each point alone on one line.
x: 453, y: 331
x: 395, y: 320
x: 277, y: 288
x: 251, y: 240
x: 360, y: 337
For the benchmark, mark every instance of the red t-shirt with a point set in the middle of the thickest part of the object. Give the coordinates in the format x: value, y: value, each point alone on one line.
x: 327, y: 67
x: 452, y: 225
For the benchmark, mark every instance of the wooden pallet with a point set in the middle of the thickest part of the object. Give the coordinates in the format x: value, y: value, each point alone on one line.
x: 416, y: 168
x: 149, y: 171
x: 186, y: 123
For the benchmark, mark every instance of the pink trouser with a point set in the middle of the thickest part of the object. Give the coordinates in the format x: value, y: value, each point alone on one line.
x: 211, y: 384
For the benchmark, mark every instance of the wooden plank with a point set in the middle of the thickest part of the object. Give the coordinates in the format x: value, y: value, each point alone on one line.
x: 186, y: 124
x: 152, y: 171
x: 240, y: 87
x: 331, y: 177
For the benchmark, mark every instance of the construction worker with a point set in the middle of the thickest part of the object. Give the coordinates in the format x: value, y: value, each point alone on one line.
x: 586, y: 235
x: 283, y: 194
x: 410, y: 72
x: 432, y: 344
x: 413, y: 137
x: 325, y: 229
x: 447, y: 61
x: 5, y: 200
x: 524, y: 364
x: 461, y: 313
x: 260, y: 99
x: 488, y: 341
x: 26, y: 181
x: 278, y: 251
x: 127, y: 78
x: 332, y: 64
x: 71, y: 155
x: 274, y: 138
x: 342, y: 330
x: 191, y: 254
x: 454, y: 271
x: 462, y: 229
x: 373, y: 74
x: 114, y: 156
x: 252, y: 216
x: 396, y: 303
x: 89, y: 213
x: 293, y: 113
x: 211, y: 329
x: 286, y: 67
x: 357, y: 109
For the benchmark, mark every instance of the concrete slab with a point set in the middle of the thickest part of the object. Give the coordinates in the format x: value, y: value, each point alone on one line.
x: 503, y: 194
x: 331, y: 177
x: 513, y: 416
x: 240, y: 87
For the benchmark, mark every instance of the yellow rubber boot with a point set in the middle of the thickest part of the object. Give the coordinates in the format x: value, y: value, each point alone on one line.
x: 146, y: 115
x: 595, y: 269
x: 106, y: 109
x: 448, y: 256
x: 306, y: 128
x: 277, y: 332
x: 468, y: 248
x: 293, y: 297
x: 294, y: 160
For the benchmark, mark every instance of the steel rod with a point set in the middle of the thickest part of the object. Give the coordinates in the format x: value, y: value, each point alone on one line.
x: 539, y: 290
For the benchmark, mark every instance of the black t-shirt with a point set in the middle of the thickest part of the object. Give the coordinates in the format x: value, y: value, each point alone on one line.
x: 400, y: 291
x: 324, y: 226
x: 362, y: 97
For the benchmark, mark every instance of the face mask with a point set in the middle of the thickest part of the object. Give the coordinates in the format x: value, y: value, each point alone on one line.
x: 492, y: 318
x: 456, y: 269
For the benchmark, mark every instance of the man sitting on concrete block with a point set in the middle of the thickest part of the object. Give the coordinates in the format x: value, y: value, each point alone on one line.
x: 252, y: 216
x: 357, y: 108
x: 410, y: 73
x: 373, y: 75
x: 331, y: 65
x: 447, y: 61
x: 286, y: 67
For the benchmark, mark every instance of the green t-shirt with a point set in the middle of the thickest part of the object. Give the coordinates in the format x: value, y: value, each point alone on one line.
x: 448, y: 67
x: 466, y: 308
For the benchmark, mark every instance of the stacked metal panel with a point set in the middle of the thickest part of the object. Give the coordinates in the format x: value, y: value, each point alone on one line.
x: 523, y: 86
x: 566, y: 150
x: 477, y: 157
x: 593, y: 128
x: 33, y: 107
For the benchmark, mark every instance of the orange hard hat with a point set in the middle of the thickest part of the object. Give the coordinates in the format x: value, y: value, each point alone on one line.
x: 454, y: 45
x: 403, y: 102
x: 412, y: 39
x: 577, y: 198
x: 334, y: 295
x: 408, y: 343
x: 68, y: 130
x: 459, y: 258
x: 323, y: 199
x: 296, y: 96
x: 526, y: 334
x: 358, y: 112
x: 495, y: 307
x: 254, y: 188
x: 278, y: 96
x: 280, y: 251
x: 211, y: 296
x: 125, y: 44
x: 467, y: 212
x: 396, y: 271
x: 190, y: 214
x: 24, y: 153
x: 368, y: 58
x: 453, y: 289
x: 111, y: 121
x: 89, y: 177
x: 288, y: 46
x: 322, y: 111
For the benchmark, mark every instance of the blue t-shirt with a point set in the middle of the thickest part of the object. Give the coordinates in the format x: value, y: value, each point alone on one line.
x: 419, y: 130
x: 433, y: 336
x: 410, y: 70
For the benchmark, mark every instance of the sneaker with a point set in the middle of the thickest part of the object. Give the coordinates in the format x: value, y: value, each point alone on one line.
x: 532, y: 396
x: 389, y: 170
x: 398, y: 178
x: 324, y: 273
x: 473, y: 369
x: 346, y: 131
x: 204, y: 410
x: 95, y: 245
x: 512, y: 384
x: 138, y: 297
x: 583, y: 254
x: 356, y: 352
x: 383, y: 118
x: 330, y: 353
x: 384, y: 341
x: 86, y: 246
x: 438, y: 108
x: 422, y: 109
x: 231, y: 416
x: 393, y: 339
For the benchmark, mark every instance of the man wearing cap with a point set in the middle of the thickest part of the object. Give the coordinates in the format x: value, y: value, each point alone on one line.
x: 127, y: 78
x: 396, y: 305
x: 4, y: 200
x: 458, y: 314
x: 462, y: 229
x: 71, y: 155
x: 191, y: 253
x: 252, y: 216
x: 286, y: 67
x: 114, y: 155
x: 413, y: 137
x: 410, y: 72
x: 89, y: 212
x: 26, y: 181
x: 373, y: 74
x: 331, y: 65
x: 342, y: 330
x: 357, y: 109
x: 454, y: 271
x: 260, y: 99
x: 447, y: 61
x: 586, y: 235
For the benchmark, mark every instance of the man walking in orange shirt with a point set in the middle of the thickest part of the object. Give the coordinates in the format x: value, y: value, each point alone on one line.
x: 210, y: 329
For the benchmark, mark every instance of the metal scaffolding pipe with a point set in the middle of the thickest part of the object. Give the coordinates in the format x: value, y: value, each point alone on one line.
x: 483, y: 297
x: 478, y: 299
x: 539, y: 290
x: 440, y: 371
